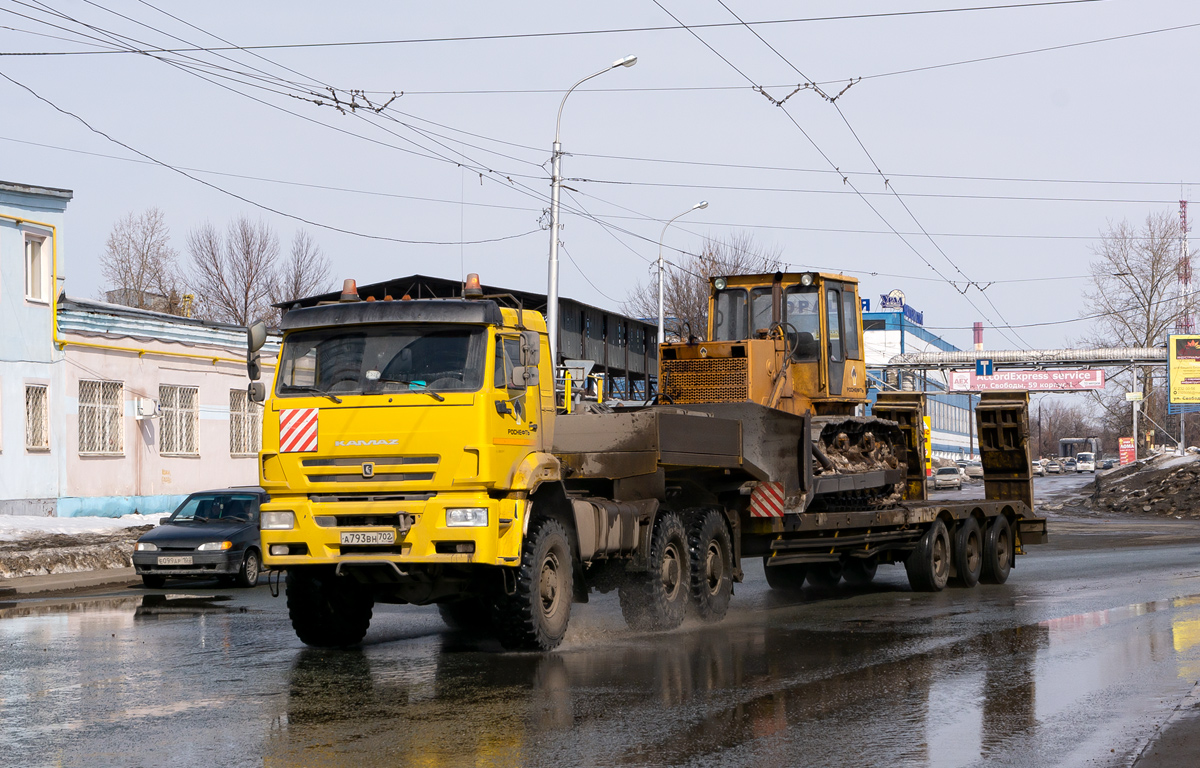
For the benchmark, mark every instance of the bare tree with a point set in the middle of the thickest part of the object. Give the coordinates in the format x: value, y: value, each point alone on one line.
x: 685, y: 285
x: 1134, y: 292
x: 140, y: 266
x: 234, y: 274
x: 305, y: 272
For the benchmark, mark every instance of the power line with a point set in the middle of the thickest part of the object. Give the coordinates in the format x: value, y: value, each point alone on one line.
x: 569, y: 33
x: 244, y: 199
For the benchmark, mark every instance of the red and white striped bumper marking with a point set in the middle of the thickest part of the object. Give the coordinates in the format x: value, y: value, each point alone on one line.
x: 767, y: 500
x: 298, y: 430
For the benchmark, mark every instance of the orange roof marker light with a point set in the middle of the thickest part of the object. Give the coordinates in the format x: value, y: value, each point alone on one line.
x: 471, y: 288
x: 349, y: 290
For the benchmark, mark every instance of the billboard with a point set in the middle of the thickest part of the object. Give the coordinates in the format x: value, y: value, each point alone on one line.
x: 1033, y: 381
x: 1183, y: 369
x: 1126, y: 449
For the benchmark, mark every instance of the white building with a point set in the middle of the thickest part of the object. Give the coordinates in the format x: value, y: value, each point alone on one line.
x: 106, y: 409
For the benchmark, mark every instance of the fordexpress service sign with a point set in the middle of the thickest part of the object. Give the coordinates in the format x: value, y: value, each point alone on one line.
x: 1183, y: 369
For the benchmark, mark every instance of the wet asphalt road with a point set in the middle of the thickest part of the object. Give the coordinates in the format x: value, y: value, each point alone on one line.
x: 1076, y: 660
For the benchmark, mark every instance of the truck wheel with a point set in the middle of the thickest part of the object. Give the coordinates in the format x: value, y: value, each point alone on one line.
x: 658, y: 598
x: 786, y: 578
x: 327, y: 611
x: 928, y: 565
x: 472, y: 615
x: 825, y: 575
x: 711, y: 551
x: 968, y: 552
x: 997, y: 552
x: 536, y: 615
x: 859, y: 572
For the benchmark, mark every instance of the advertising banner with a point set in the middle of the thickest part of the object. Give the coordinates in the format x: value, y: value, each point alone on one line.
x: 1183, y: 369
x: 1033, y: 381
x: 928, y: 446
x: 1125, y: 446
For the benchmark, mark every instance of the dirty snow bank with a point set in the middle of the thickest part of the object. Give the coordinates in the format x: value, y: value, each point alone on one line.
x: 13, y: 527
x: 36, y: 546
x: 1166, y: 486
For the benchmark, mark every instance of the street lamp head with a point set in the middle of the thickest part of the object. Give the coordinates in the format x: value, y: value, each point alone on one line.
x: 700, y: 205
x: 628, y: 61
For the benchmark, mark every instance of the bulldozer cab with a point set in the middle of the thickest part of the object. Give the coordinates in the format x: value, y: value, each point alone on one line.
x: 790, y: 341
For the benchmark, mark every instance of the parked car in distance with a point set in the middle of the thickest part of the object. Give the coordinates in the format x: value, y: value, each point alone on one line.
x: 1106, y: 464
x: 1037, y: 469
x: 1053, y: 467
x: 947, y: 477
x: 1069, y: 465
x: 974, y: 469
x: 211, y: 534
x: 1085, y: 462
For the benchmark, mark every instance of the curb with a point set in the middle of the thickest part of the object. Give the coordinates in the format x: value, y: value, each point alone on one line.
x: 66, y: 582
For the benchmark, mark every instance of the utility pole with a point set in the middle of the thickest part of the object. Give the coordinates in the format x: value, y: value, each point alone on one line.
x: 1185, y: 299
x: 1135, y: 413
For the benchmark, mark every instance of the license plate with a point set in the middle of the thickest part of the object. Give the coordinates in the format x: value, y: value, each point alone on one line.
x: 368, y: 537
x: 177, y: 560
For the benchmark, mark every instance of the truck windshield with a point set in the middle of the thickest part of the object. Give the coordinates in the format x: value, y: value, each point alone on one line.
x: 378, y: 359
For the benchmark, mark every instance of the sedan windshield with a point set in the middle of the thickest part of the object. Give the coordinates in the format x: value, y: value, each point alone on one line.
x: 221, y: 506
x: 380, y: 359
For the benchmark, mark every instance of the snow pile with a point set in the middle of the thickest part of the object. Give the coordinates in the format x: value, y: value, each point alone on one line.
x: 13, y: 527
x: 1167, y: 487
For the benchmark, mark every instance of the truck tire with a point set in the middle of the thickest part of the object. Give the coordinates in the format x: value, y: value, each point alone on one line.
x: 658, y: 598
x: 928, y: 565
x: 859, y: 572
x: 535, y: 616
x: 997, y: 552
x: 968, y: 552
x: 786, y: 578
x: 711, y: 550
x: 327, y: 611
x: 825, y: 575
x: 472, y: 615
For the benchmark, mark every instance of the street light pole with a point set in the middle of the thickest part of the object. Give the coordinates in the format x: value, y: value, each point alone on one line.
x: 661, y: 317
x: 555, y: 184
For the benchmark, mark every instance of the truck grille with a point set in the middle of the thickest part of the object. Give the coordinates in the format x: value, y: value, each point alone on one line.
x: 384, y: 469
x: 706, y: 380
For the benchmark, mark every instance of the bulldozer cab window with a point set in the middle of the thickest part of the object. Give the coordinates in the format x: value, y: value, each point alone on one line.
x: 730, y: 321
x: 850, y: 320
x: 833, y: 307
x: 802, y: 315
x: 760, y: 310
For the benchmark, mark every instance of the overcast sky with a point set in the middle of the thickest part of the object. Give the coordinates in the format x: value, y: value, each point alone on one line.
x: 1013, y: 165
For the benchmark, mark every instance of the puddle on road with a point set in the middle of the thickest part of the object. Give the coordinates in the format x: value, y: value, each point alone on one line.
x: 138, y: 606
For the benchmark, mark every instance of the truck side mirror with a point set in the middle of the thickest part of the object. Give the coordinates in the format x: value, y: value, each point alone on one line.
x: 256, y: 336
x: 257, y: 392
x: 531, y: 348
x: 523, y: 376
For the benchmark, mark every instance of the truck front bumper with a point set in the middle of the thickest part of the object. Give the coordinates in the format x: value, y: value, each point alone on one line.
x: 414, y: 530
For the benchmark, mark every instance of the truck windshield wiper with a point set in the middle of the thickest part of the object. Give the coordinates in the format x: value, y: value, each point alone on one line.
x: 415, y: 386
x: 318, y: 391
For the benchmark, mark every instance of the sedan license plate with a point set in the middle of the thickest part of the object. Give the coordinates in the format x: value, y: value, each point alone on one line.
x: 368, y: 537
x: 177, y: 560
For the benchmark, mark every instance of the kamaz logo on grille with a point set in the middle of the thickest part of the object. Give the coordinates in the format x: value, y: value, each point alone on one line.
x: 352, y: 443
x: 368, y: 469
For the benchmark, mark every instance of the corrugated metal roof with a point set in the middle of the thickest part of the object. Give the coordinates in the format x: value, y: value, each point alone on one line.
x: 30, y: 189
x: 102, y: 319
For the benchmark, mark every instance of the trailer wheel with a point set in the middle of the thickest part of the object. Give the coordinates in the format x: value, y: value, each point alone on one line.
x: 536, y: 615
x: 825, y: 575
x: 327, y: 611
x: 968, y: 552
x: 786, y: 578
x: 997, y: 552
x: 711, y: 551
x: 859, y: 572
x: 472, y: 615
x: 658, y: 598
x: 928, y: 565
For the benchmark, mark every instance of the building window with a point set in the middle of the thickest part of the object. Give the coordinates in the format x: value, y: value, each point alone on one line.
x: 179, y: 424
x: 101, y: 422
x: 37, y: 418
x: 37, y: 268
x: 245, y: 419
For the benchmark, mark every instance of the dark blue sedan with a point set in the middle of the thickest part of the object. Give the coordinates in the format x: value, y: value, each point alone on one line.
x: 211, y: 534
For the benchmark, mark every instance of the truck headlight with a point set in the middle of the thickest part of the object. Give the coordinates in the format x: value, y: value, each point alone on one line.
x: 278, y: 521
x: 210, y: 546
x: 145, y: 546
x: 467, y: 517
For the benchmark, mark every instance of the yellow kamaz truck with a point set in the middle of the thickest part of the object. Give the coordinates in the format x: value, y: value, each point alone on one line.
x: 424, y: 452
